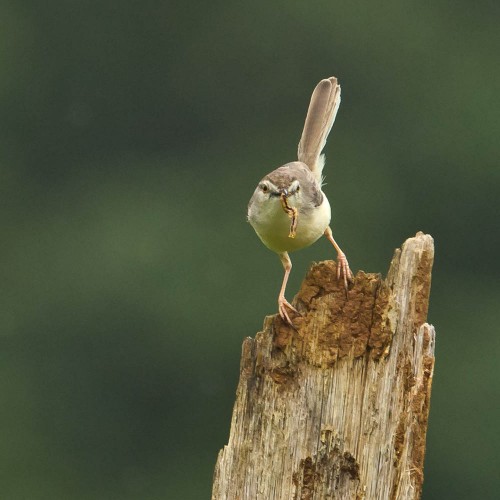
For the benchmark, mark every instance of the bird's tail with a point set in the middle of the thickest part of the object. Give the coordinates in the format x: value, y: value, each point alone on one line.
x: 325, y: 102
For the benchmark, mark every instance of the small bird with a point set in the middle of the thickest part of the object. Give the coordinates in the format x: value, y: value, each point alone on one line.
x: 288, y: 209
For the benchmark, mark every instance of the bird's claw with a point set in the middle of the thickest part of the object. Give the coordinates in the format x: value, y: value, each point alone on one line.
x: 283, y: 304
x: 343, y: 270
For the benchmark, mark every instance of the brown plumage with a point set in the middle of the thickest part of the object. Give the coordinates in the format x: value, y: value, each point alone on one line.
x: 283, y: 177
x: 325, y: 102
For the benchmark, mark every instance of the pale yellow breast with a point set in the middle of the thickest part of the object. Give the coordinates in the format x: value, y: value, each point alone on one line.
x: 273, y: 227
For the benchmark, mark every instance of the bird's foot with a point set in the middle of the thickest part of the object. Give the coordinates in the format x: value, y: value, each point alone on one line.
x: 283, y: 305
x: 343, y: 270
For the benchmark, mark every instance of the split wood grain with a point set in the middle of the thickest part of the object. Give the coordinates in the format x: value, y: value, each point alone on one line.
x: 337, y: 408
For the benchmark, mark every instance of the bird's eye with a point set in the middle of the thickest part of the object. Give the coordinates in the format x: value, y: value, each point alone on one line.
x: 264, y: 188
x: 298, y: 189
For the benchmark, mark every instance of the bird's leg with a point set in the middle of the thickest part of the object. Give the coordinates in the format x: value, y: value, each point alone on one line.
x: 342, y: 264
x: 283, y: 304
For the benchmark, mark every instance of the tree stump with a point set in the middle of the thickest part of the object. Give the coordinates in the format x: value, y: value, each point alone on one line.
x: 338, y: 407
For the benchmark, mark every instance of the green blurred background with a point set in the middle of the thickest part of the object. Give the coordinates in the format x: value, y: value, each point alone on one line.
x: 132, y: 136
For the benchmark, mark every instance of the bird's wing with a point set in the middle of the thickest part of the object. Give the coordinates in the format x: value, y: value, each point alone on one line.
x: 325, y: 102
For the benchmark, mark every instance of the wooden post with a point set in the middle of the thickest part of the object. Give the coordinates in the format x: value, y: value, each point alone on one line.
x: 339, y: 407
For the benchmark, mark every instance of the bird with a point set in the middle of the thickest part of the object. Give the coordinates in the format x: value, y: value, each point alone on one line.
x: 288, y: 209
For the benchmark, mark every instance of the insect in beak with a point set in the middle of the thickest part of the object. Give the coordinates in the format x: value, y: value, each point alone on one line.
x: 291, y: 212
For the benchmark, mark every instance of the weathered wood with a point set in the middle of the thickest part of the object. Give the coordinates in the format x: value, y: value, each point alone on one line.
x: 339, y: 407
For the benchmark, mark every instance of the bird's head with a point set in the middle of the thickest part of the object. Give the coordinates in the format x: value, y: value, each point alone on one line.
x: 269, y: 189
x: 281, y: 183
x: 291, y: 185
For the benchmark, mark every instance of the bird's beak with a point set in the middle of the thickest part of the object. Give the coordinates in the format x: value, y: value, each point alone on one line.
x: 284, y: 192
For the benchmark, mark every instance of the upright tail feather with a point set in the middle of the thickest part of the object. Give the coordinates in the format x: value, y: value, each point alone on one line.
x: 325, y: 102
